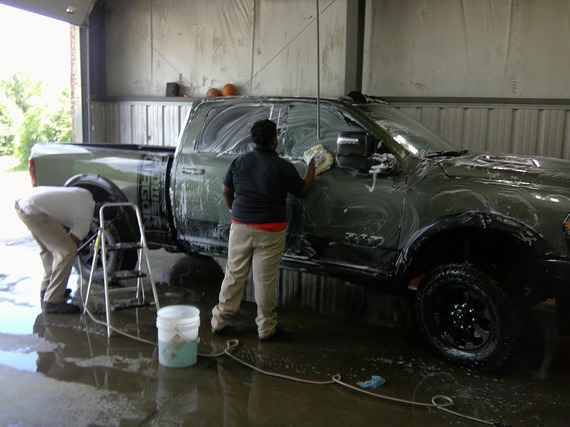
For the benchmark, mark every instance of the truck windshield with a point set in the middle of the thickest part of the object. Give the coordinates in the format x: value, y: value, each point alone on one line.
x: 413, y: 136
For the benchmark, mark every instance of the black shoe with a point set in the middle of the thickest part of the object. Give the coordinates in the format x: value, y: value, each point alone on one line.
x: 60, y: 308
x: 275, y: 334
x: 220, y: 332
x: 66, y: 295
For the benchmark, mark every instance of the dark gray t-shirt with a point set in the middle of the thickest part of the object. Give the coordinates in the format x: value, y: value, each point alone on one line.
x: 261, y: 181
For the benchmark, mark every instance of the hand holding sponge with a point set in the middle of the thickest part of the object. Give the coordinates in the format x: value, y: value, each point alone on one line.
x: 322, y: 158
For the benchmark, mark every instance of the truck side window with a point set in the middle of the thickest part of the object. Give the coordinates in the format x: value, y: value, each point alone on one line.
x: 302, y: 130
x: 226, y: 130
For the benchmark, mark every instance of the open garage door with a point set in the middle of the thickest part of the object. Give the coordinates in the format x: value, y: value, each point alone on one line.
x: 73, y: 11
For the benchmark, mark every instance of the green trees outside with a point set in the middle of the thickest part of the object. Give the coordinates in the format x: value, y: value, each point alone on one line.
x: 28, y: 114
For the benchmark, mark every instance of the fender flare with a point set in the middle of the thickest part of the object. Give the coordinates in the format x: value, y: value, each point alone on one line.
x: 474, y: 220
x: 89, y: 180
x: 102, y: 188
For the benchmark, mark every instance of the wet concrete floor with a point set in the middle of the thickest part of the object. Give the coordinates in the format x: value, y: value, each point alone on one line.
x: 63, y: 370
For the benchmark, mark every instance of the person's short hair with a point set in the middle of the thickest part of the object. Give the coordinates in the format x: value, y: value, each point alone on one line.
x: 263, y: 132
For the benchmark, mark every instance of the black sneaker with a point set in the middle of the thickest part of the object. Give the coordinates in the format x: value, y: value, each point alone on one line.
x: 66, y: 295
x: 277, y: 333
x: 60, y: 308
x: 220, y: 332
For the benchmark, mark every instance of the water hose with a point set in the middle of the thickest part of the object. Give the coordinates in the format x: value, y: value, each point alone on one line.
x: 440, y: 402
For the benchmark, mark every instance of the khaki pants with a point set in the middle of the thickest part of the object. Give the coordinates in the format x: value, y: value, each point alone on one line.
x: 57, y: 251
x: 260, y: 251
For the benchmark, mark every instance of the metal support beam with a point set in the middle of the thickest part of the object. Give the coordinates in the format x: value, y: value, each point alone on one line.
x: 93, y: 65
x: 354, y: 45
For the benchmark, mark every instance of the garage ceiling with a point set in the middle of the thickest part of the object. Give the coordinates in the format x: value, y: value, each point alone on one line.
x: 73, y: 11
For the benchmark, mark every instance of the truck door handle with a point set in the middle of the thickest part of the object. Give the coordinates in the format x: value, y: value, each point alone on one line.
x: 193, y: 171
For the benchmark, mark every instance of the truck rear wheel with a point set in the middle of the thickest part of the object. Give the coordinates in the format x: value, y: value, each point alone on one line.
x: 464, y: 315
x: 116, y: 260
x: 119, y: 228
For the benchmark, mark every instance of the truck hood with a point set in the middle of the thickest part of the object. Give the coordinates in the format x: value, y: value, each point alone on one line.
x: 540, y: 171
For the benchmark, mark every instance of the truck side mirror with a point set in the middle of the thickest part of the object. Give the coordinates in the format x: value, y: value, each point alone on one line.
x: 353, y: 150
x: 357, y: 150
x: 354, y: 143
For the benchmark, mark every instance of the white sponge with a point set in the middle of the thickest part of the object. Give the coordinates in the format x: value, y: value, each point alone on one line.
x: 323, y: 159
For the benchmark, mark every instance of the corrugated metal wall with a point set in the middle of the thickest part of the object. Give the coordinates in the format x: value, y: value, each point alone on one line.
x: 138, y: 122
x: 520, y: 129
x: 330, y: 297
x: 542, y: 130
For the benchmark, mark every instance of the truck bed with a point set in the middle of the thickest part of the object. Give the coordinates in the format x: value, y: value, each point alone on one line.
x: 139, y: 173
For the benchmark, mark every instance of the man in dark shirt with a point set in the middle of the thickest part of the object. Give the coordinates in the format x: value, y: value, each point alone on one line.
x: 255, y: 188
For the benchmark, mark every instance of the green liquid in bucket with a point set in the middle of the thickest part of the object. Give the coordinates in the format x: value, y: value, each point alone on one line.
x: 177, y: 355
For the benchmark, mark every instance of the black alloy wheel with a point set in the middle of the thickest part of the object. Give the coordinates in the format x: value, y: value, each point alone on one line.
x: 464, y: 314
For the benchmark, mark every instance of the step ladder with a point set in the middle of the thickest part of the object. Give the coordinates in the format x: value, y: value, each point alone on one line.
x: 102, y: 248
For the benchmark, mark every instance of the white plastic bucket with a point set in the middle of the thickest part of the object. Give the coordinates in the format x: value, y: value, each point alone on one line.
x: 178, y: 335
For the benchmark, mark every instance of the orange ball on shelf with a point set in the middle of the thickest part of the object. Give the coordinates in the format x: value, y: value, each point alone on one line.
x: 213, y: 92
x: 229, y: 90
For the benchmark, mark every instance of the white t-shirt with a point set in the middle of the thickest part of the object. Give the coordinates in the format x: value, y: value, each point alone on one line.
x: 73, y: 207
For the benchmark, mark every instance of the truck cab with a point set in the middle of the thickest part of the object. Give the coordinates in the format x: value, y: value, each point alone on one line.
x: 349, y: 224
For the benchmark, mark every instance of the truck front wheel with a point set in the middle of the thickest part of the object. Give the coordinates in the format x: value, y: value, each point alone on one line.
x: 464, y: 315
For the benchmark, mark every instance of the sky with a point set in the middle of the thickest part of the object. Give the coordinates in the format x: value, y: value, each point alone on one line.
x: 35, y: 45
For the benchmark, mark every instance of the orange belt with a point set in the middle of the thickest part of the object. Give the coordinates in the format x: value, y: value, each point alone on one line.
x: 267, y: 226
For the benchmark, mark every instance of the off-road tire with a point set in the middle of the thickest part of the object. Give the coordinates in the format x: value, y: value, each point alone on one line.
x: 116, y: 260
x: 464, y: 315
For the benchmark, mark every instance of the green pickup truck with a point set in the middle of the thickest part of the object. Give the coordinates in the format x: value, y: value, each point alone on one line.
x: 476, y: 239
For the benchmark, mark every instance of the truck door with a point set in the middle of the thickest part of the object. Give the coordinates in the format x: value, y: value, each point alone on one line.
x: 351, y: 220
x: 216, y: 134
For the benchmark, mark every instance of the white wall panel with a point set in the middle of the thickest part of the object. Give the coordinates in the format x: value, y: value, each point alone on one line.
x: 264, y: 47
x: 458, y: 48
x: 128, y: 49
x: 511, y: 49
x: 285, y: 55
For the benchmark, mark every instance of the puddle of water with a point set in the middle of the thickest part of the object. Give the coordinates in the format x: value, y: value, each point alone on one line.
x: 19, y: 361
x: 17, y: 318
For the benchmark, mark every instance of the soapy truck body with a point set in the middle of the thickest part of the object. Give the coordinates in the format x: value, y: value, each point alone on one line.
x: 476, y: 239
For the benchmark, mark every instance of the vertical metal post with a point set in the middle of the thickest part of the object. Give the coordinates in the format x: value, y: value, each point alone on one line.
x: 355, y: 14
x: 318, y: 73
